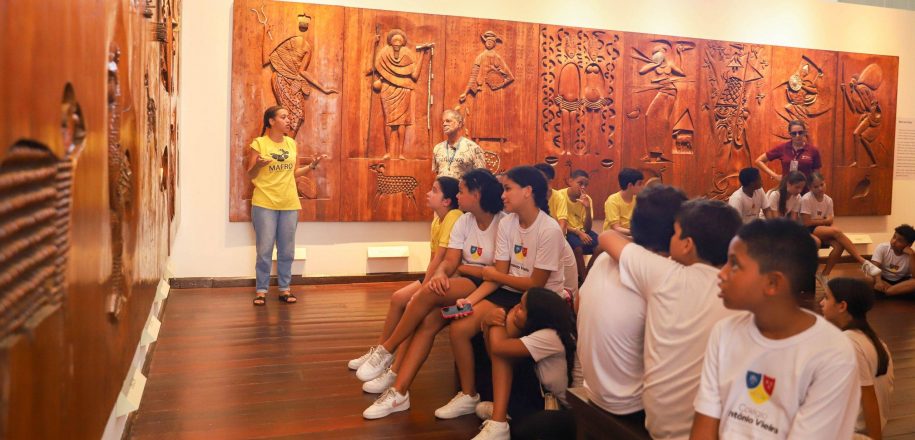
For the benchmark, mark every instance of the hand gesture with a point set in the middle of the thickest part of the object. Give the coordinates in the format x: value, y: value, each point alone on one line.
x: 585, y: 200
x: 495, y: 317
x: 318, y: 160
x: 489, y: 272
x: 260, y: 162
x: 908, y: 251
x: 439, y: 284
x: 461, y: 303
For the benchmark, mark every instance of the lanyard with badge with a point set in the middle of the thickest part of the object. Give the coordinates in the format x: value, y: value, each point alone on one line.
x: 794, y: 162
x: 453, y: 152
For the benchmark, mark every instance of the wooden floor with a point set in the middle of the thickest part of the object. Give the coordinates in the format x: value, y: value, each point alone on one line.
x: 225, y: 369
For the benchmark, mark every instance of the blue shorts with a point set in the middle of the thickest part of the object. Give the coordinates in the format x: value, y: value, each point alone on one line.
x: 576, y: 243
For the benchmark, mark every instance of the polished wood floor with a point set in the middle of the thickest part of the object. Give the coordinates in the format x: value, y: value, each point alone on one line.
x: 225, y: 369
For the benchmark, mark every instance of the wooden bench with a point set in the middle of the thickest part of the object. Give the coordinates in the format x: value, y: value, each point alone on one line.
x: 592, y: 422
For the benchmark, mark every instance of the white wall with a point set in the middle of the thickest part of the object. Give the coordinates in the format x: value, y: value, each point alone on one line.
x: 208, y: 245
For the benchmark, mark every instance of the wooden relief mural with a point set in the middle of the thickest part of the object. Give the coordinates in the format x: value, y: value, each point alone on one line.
x: 368, y: 88
x: 87, y: 199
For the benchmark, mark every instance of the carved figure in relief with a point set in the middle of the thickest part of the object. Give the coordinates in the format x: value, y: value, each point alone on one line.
x: 577, y: 89
x: 489, y: 75
x: 802, y: 93
x: 396, y: 73
x: 664, y: 68
x: 733, y: 68
x: 289, y: 60
x: 120, y: 189
x: 386, y: 185
x: 683, y: 134
x: 861, y: 96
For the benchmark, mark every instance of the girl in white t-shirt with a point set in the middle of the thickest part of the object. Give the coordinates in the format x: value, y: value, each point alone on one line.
x: 470, y: 248
x: 529, y: 247
x: 785, y: 200
x: 541, y: 327
x: 846, y: 304
x: 817, y: 213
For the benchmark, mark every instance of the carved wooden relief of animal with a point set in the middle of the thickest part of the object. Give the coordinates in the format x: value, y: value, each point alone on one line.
x: 387, y: 185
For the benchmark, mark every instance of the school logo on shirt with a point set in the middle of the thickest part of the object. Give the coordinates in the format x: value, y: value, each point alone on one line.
x: 760, y: 387
x: 476, y: 252
x: 520, y: 252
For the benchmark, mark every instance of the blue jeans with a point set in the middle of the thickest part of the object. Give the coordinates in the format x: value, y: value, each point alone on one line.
x: 272, y: 226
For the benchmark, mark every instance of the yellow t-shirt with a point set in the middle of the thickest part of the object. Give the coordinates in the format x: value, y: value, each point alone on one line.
x: 441, y: 229
x: 274, y: 185
x: 576, y: 211
x: 617, y: 211
x: 557, y: 203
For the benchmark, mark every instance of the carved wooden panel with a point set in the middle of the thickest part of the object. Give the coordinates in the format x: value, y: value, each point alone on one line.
x: 865, y: 134
x: 84, y: 219
x: 392, y: 114
x: 291, y: 55
x: 578, y: 125
x: 687, y: 111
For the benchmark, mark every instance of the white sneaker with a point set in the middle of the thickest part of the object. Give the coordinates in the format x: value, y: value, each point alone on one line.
x: 460, y: 405
x: 871, y: 269
x: 379, y: 361
x: 380, y: 383
x: 390, y: 402
x: 493, y: 430
x: 354, y: 364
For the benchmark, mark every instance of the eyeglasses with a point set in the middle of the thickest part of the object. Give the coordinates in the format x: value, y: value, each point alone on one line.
x: 797, y: 133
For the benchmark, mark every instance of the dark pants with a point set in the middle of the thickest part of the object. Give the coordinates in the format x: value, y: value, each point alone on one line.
x: 545, y: 425
x: 576, y: 242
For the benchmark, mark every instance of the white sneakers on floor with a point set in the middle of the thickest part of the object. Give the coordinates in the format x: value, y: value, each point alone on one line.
x: 354, y: 364
x: 389, y: 402
x: 460, y: 405
x: 484, y: 410
x: 493, y: 430
x: 377, y: 363
x: 871, y: 269
x: 380, y: 383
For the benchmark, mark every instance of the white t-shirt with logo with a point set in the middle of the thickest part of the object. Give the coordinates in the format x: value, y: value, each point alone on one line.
x: 539, y: 246
x: 551, y: 367
x: 866, y: 355
x: 611, y: 336
x: 793, y: 204
x: 749, y: 207
x: 895, y: 267
x: 478, y: 247
x: 569, y: 269
x: 816, y: 209
x: 801, y: 387
x: 682, y: 306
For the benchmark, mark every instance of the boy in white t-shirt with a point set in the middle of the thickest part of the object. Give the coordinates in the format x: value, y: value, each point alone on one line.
x: 780, y: 371
x: 750, y: 200
x: 681, y: 294
x: 611, y: 321
x: 897, y: 262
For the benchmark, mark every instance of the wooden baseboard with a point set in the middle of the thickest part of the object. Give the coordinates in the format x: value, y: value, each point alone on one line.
x: 297, y: 280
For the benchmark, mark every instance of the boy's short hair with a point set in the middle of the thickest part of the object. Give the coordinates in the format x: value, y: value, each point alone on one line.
x: 652, y: 222
x: 579, y: 173
x: 629, y: 176
x: 711, y: 224
x: 783, y: 245
x: 748, y: 175
x: 546, y: 169
x: 906, y: 232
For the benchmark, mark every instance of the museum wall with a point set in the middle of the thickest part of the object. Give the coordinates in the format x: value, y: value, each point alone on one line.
x: 209, y: 245
x: 88, y: 188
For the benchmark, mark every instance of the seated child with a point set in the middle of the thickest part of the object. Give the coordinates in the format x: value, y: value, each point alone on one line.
x: 779, y: 371
x: 846, y: 304
x: 619, y: 205
x: 580, y: 217
x: 749, y: 200
x: 897, y: 262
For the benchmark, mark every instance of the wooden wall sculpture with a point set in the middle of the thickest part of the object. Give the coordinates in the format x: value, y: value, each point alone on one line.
x: 88, y: 150
x: 685, y: 111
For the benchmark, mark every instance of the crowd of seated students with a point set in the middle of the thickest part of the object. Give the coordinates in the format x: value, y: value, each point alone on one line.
x: 693, y: 317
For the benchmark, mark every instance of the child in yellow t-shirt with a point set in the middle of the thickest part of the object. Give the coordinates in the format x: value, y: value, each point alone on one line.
x: 442, y: 198
x: 619, y: 206
x: 580, y: 218
x: 555, y: 199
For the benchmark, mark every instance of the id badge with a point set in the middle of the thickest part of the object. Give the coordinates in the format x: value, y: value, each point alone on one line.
x: 793, y: 166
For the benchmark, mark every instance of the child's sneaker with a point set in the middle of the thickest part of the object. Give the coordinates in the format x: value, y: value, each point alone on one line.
x: 871, y: 269
x: 389, y: 402
x: 484, y: 410
x: 354, y: 364
x: 380, y: 383
x: 379, y: 361
x: 492, y: 430
x: 460, y: 405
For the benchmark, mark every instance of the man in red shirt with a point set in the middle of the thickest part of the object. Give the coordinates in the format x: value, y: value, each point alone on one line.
x: 795, y: 155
